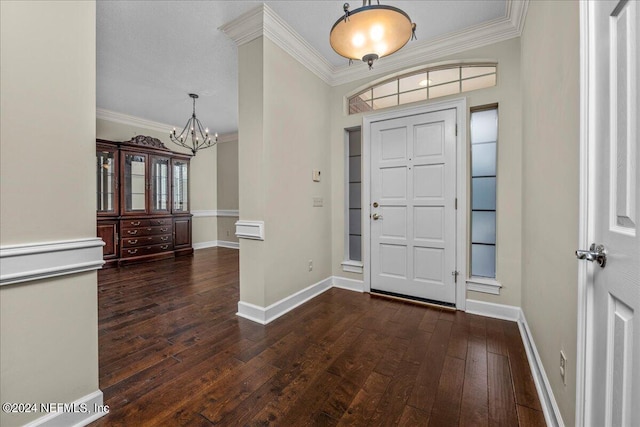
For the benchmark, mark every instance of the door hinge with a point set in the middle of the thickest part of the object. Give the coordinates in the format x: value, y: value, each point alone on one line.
x: 456, y: 203
x: 456, y: 129
x: 455, y: 276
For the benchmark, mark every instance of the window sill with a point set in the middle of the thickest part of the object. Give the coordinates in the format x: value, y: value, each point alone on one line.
x: 352, y: 266
x: 481, y: 284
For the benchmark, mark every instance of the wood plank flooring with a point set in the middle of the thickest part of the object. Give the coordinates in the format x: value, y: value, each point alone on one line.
x: 173, y: 353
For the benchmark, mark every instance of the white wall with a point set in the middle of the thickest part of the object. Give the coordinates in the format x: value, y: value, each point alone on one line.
x: 48, y: 328
x: 283, y: 122
x: 509, y: 204
x: 203, y: 177
x: 550, y: 85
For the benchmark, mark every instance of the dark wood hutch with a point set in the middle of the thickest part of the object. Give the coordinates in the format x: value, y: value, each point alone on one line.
x: 142, y: 201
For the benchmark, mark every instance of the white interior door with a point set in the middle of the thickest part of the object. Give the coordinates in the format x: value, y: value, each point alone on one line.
x: 613, y: 376
x: 413, y: 192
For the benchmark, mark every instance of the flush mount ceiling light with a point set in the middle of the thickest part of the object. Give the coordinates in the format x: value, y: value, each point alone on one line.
x: 371, y: 32
x: 199, y: 138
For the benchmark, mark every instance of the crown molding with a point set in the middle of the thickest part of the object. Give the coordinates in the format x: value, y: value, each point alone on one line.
x: 228, y: 137
x: 262, y: 21
x: 291, y: 42
x: 125, y: 119
x: 517, y: 13
x: 246, y: 27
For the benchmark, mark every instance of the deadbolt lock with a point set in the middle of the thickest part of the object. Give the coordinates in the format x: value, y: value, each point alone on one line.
x: 375, y: 204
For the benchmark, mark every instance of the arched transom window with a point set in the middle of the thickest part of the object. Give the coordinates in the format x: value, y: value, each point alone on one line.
x: 424, y: 84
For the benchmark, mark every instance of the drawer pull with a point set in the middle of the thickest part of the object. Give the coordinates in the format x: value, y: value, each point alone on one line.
x: 163, y: 229
x: 132, y: 231
x: 148, y: 228
x: 160, y: 222
x: 132, y: 251
x: 135, y: 224
x: 164, y: 246
x: 165, y: 238
x: 133, y: 242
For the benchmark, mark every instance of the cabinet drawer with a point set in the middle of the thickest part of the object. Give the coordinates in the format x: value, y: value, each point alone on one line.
x: 145, y: 250
x: 153, y: 222
x: 146, y: 231
x: 134, y: 223
x: 129, y: 242
x: 160, y: 221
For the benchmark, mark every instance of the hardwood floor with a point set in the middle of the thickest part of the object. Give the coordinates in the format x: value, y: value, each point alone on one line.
x: 173, y: 353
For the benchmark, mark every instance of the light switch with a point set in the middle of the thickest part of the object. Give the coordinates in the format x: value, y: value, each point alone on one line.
x: 317, y: 202
x: 316, y: 176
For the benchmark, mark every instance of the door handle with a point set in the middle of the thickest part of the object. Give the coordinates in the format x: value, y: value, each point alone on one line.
x: 596, y: 253
x: 376, y: 216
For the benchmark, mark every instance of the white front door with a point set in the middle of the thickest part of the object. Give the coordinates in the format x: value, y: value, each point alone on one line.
x: 413, y: 196
x: 613, y: 374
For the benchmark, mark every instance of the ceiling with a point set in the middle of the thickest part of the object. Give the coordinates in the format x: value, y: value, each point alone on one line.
x: 151, y: 54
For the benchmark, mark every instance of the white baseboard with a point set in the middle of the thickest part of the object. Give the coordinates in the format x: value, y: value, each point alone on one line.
x: 35, y: 261
x: 489, y: 309
x: 549, y: 405
x: 87, y: 409
x: 204, y: 245
x: 268, y: 314
x: 348, y: 284
x: 215, y: 213
x: 216, y: 243
x: 230, y: 245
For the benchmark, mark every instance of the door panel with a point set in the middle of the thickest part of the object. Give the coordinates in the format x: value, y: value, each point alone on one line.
x: 413, y: 181
x: 429, y: 223
x: 614, y: 382
x: 394, y: 183
x: 429, y: 182
x: 429, y: 140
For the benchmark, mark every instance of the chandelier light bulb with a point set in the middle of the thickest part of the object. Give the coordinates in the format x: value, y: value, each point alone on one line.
x: 376, y: 33
x: 358, y: 40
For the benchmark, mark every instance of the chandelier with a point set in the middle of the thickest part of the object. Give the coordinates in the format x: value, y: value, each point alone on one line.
x: 199, y: 138
x: 371, y: 32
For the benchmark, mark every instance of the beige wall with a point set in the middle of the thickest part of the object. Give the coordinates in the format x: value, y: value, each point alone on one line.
x: 550, y: 82
x: 277, y: 156
x: 509, y: 207
x: 203, y: 186
x: 228, y: 175
x: 227, y: 189
x: 251, y: 167
x: 48, y: 328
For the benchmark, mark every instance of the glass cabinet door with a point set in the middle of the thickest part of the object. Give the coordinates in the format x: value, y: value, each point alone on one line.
x: 180, y: 186
x: 135, y: 188
x: 106, y: 182
x: 159, y: 176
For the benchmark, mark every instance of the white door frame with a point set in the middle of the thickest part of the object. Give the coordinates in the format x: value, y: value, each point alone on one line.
x: 460, y: 105
x: 586, y: 220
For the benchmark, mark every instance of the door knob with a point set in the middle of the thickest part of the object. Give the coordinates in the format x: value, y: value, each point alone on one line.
x: 376, y: 216
x: 595, y: 253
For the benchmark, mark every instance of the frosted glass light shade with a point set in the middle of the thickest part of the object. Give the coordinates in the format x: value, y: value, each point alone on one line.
x: 371, y: 32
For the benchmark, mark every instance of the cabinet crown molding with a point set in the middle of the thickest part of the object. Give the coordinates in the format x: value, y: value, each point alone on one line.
x: 147, y: 141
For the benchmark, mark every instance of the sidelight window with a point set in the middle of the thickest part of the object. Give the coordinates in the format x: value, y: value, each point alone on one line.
x: 353, y: 192
x: 484, y: 142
